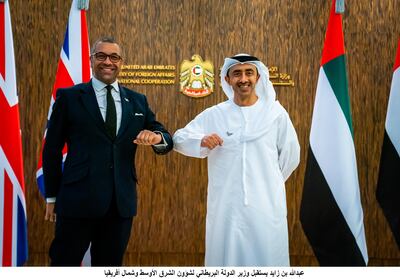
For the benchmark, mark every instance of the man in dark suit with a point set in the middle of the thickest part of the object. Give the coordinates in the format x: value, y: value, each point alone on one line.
x: 94, y: 195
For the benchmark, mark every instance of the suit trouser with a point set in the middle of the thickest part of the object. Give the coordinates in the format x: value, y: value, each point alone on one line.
x: 108, y: 236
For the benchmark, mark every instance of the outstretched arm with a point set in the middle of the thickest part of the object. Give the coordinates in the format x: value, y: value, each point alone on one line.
x: 194, y: 140
x: 154, y: 134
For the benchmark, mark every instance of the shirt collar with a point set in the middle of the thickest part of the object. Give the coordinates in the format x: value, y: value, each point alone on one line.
x: 99, y: 85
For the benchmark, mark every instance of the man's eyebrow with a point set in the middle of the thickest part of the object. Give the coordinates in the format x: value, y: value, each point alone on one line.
x: 242, y: 70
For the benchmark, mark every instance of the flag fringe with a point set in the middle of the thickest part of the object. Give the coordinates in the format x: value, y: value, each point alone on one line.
x: 83, y: 5
x: 339, y: 7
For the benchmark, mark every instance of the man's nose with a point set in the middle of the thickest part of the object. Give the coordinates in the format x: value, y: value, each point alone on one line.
x: 243, y: 77
x: 108, y: 60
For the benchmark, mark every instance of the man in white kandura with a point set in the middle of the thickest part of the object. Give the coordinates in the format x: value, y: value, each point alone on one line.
x: 252, y: 148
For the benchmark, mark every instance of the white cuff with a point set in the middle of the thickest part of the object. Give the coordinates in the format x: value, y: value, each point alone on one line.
x: 51, y: 200
x: 163, y: 144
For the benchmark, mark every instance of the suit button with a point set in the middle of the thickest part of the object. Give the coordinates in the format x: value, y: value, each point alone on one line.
x: 111, y: 167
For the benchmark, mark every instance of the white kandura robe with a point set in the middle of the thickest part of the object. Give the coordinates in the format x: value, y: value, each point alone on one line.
x: 246, y: 222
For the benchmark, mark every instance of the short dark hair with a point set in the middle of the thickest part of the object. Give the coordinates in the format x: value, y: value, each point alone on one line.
x: 104, y: 39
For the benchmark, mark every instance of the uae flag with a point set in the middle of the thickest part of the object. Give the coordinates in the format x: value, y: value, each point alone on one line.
x: 388, y: 189
x: 331, y: 212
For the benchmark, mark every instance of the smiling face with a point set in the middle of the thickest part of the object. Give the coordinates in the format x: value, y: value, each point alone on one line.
x: 243, y: 79
x: 106, y: 71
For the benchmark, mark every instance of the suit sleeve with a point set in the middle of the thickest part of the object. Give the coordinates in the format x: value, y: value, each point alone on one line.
x: 53, y: 146
x: 153, y: 125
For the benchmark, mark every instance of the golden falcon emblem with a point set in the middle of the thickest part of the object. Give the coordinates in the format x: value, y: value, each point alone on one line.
x: 196, y: 77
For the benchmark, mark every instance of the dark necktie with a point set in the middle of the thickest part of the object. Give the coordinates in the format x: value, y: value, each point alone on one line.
x: 111, y: 114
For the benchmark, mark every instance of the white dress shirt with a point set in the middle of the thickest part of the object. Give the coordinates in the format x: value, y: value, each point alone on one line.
x: 101, y: 95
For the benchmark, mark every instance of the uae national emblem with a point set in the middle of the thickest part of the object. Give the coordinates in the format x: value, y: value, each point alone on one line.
x: 197, y: 77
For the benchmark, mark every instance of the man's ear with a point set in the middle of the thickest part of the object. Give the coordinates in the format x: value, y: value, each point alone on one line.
x: 258, y: 76
x: 227, y: 80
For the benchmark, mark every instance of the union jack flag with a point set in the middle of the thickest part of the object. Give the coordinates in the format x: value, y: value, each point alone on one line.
x: 73, y: 67
x: 13, y: 226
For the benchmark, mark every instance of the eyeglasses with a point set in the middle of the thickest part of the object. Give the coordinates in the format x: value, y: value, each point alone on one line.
x: 101, y: 56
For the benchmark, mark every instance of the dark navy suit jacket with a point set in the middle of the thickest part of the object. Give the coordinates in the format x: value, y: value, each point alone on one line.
x: 95, y: 165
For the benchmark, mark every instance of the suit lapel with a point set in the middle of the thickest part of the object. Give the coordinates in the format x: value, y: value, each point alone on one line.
x: 126, y: 104
x: 89, y: 100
